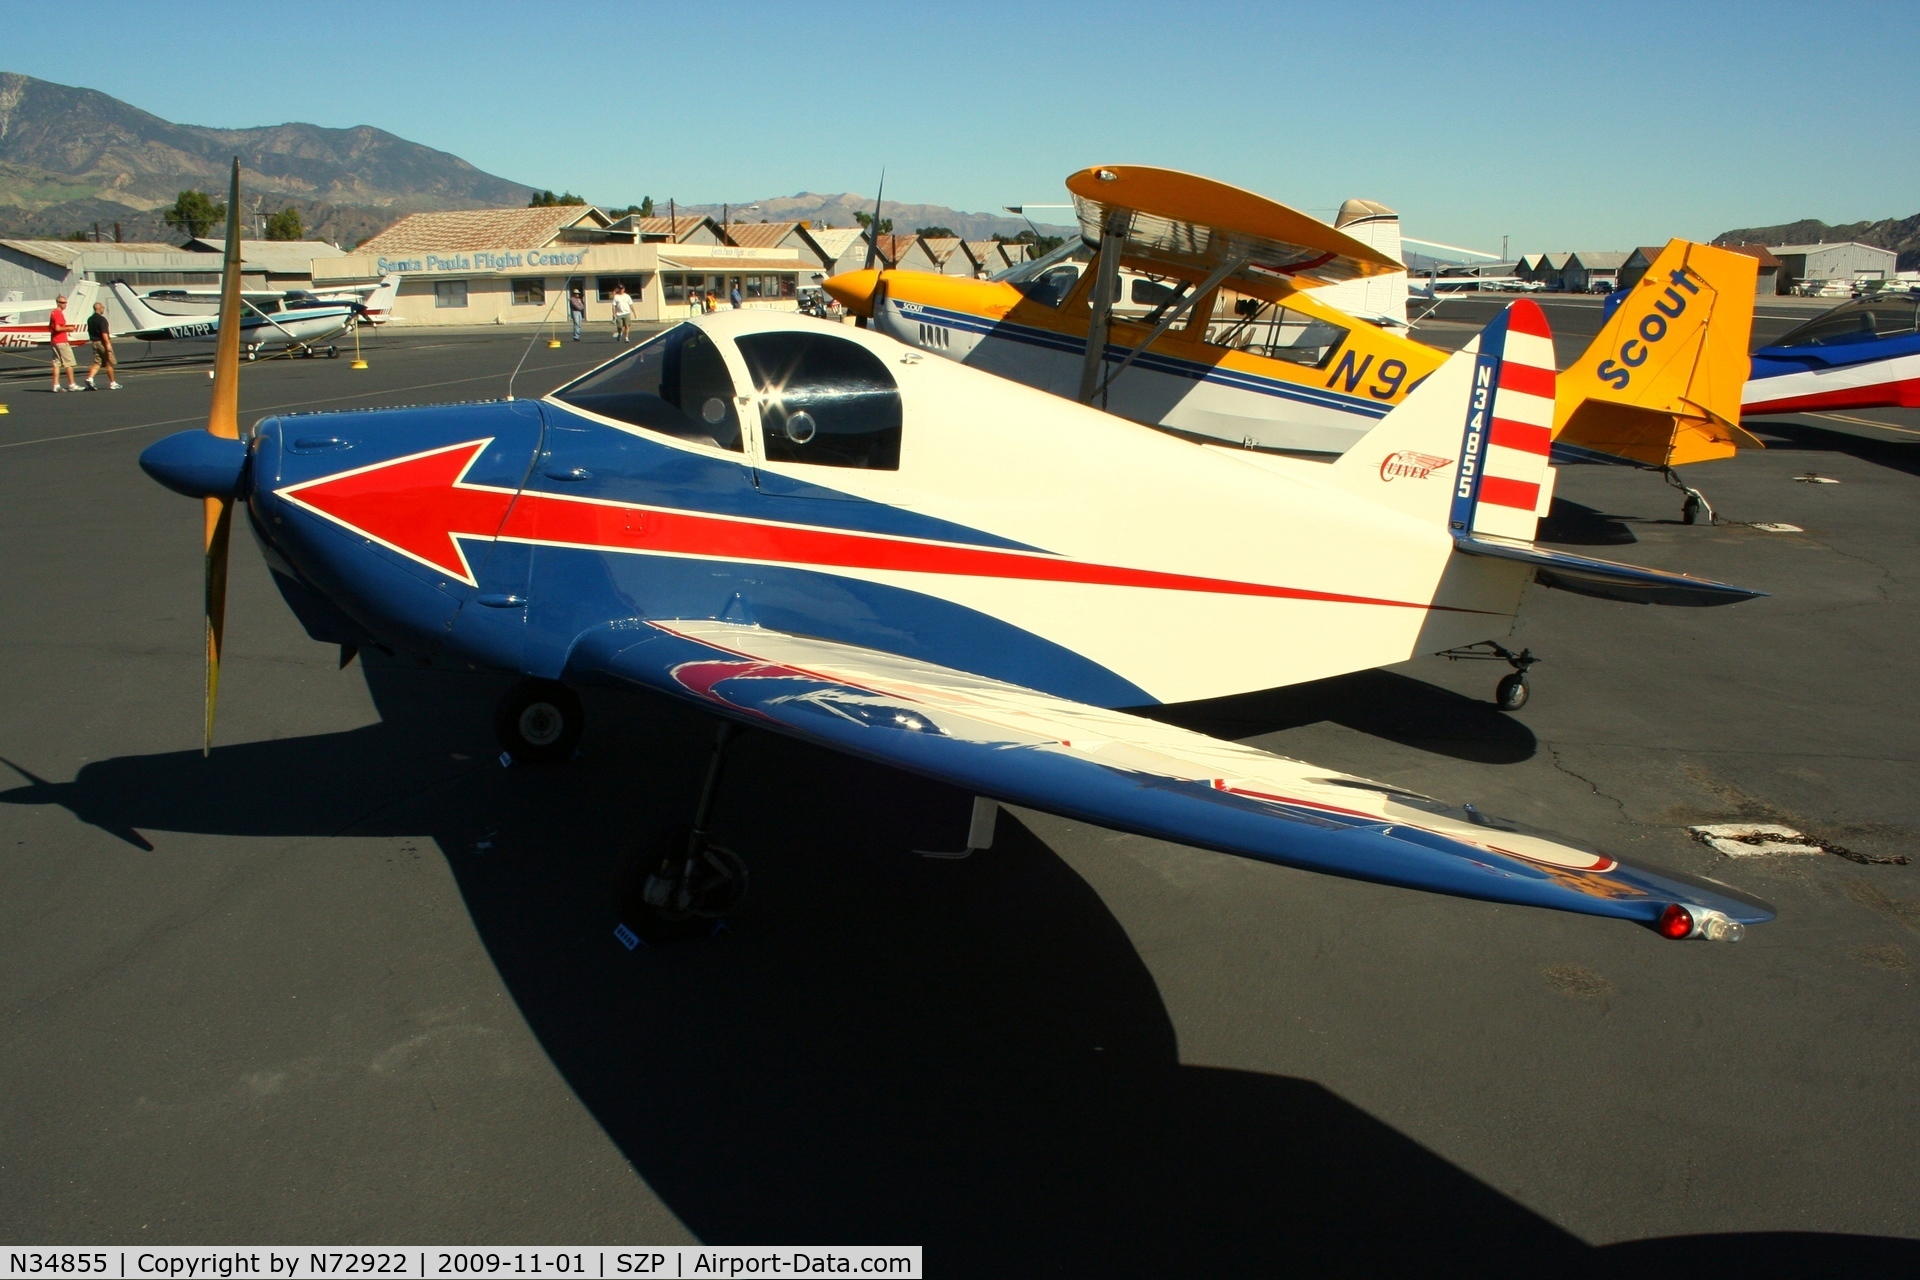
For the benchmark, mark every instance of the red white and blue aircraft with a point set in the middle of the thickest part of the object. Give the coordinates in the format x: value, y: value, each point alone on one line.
x: 819, y: 531
x: 1863, y: 354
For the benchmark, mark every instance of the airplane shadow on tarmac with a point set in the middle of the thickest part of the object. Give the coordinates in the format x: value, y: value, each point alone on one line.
x: 1790, y: 436
x: 968, y: 1055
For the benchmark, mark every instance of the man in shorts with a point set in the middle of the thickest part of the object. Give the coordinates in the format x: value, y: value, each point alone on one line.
x: 58, y: 330
x: 100, y: 338
x: 622, y: 312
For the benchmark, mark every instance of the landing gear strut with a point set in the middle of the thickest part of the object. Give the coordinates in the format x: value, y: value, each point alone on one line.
x: 1694, y: 504
x: 1512, y: 691
x: 689, y: 882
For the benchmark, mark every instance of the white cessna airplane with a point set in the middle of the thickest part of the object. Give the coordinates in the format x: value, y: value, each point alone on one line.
x: 24, y: 324
x: 309, y: 330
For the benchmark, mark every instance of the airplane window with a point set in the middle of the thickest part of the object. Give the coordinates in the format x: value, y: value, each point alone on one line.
x: 1280, y: 334
x: 1051, y: 288
x: 676, y: 384
x: 1151, y: 293
x: 824, y: 400
x: 1862, y: 321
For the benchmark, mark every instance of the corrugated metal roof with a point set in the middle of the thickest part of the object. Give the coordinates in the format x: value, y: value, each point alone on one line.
x: 288, y: 257
x: 678, y: 227
x: 465, y: 229
x: 758, y: 235
x: 1599, y: 259
x: 833, y: 241
x: 1760, y: 251
x: 1831, y: 244
x: 64, y: 253
x: 941, y: 247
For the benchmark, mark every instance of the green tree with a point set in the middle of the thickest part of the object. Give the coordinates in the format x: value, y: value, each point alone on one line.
x: 548, y: 200
x: 286, y: 225
x: 642, y: 210
x: 195, y: 213
x: 936, y: 232
x: 866, y: 219
x: 1041, y: 246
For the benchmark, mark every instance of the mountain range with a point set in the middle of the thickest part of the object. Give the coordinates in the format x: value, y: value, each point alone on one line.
x: 1902, y: 235
x: 70, y: 158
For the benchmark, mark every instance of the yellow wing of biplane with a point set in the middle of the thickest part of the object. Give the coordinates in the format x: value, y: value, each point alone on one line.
x: 1661, y: 382
x: 1182, y: 225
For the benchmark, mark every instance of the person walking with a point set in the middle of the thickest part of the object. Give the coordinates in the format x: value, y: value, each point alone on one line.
x: 622, y: 313
x: 577, y: 310
x: 58, y: 335
x: 100, y: 338
x: 733, y: 295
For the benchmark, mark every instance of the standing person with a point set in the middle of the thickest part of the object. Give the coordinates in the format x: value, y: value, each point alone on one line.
x: 100, y: 337
x: 577, y: 310
x: 712, y: 302
x: 733, y: 295
x: 622, y: 312
x: 57, y: 332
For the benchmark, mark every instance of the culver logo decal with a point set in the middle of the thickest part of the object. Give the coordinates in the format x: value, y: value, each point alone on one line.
x: 1408, y: 465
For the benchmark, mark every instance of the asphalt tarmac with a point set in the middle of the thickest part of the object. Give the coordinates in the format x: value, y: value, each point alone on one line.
x: 349, y: 980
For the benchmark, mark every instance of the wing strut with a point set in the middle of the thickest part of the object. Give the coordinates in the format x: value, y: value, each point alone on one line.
x: 1174, y: 312
x: 1113, y: 234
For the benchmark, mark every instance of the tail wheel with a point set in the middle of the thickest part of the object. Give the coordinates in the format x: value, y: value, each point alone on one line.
x: 1511, y: 693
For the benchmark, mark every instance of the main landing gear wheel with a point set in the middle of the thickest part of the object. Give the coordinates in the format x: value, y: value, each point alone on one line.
x: 1511, y: 693
x: 680, y: 883
x: 539, y: 720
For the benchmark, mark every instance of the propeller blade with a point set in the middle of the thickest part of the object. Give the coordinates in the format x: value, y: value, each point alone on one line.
x: 873, y: 228
x: 223, y: 419
x: 219, y: 534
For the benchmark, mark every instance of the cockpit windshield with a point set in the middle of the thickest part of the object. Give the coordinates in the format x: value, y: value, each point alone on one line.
x: 676, y: 384
x: 1866, y: 320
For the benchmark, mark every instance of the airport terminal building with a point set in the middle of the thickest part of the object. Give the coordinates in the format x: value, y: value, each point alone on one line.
x: 516, y: 266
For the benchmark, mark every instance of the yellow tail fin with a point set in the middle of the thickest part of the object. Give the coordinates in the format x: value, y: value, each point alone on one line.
x: 1661, y: 382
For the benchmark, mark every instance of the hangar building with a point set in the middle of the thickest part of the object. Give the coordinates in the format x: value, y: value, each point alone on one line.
x: 1809, y: 268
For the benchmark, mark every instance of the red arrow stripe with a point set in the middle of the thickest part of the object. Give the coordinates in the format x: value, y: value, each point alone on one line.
x: 419, y: 506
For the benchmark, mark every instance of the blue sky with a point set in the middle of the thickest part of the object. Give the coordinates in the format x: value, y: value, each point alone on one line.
x: 1560, y: 125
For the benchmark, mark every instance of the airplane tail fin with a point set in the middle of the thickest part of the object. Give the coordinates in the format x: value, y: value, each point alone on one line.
x: 1469, y: 446
x: 379, y: 303
x: 1376, y: 298
x: 138, y: 312
x: 1660, y: 384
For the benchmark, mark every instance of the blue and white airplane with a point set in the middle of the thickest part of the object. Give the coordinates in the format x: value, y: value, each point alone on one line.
x: 822, y: 532
x: 1863, y: 354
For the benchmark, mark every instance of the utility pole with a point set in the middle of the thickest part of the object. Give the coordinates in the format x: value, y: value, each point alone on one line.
x: 1503, y: 248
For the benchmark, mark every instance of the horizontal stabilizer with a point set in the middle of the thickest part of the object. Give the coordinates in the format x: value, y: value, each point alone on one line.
x: 1607, y: 579
x: 1129, y: 773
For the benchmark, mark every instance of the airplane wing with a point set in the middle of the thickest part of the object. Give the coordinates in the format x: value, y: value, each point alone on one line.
x: 1183, y: 225
x: 1660, y: 384
x: 1132, y: 774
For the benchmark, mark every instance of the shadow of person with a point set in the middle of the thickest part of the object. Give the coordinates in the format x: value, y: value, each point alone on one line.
x: 1384, y: 704
x: 968, y: 1054
x: 1790, y: 435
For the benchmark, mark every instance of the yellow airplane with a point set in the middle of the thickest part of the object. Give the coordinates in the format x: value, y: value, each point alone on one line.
x: 1199, y: 299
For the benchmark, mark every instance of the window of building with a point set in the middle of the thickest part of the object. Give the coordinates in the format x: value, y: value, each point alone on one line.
x: 529, y: 293
x: 673, y: 286
x: 786, y: 286
x: 753, y: 287
x: 677, y: 384
x: 449, y: 293
x: 634, y: 284
x: 824, y: 400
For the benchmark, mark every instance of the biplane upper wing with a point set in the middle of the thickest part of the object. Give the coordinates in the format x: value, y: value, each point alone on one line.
x: 1661, y: 382
x: 1184, y: 225
x: 1125, y: 772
